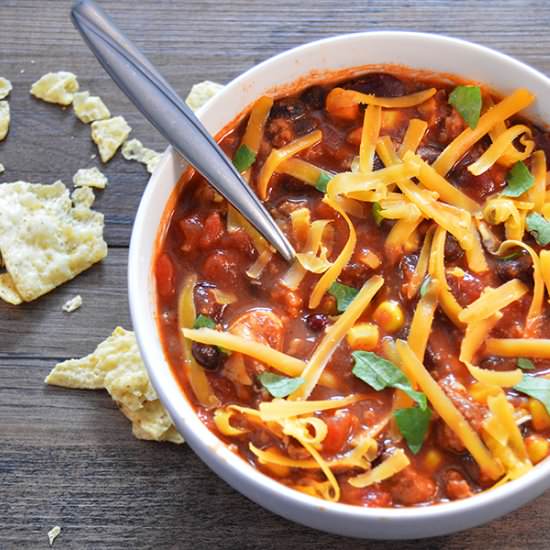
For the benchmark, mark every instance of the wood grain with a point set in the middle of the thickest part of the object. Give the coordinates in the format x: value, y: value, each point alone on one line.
x: 68, y: 457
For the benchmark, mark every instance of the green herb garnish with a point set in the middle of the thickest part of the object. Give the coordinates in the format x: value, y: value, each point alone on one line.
x: 203, y: 321
x: 344, y: 295
x: 376, y: 213
x: 413, y: 423
x: 244, y: 158
x: 525, y: 364
x: 539, y: 227
x: 519, y: 180
x: 511, y: 256
x: 279, y: 386
x: 467, y: 101
x: 536, y: 387
x: 322, y: 181
x: 379, y: 373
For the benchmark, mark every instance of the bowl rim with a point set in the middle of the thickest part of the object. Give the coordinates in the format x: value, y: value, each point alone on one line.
x: 215, y: 452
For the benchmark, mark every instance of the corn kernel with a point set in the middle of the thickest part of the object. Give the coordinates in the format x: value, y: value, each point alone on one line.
x: 537, y: 448
x: 389, y: 316
x: 539, y: 416
x: 363, y: 336
x: 433, y: 459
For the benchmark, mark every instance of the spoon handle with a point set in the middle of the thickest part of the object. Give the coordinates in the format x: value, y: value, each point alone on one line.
x: 162, y: 106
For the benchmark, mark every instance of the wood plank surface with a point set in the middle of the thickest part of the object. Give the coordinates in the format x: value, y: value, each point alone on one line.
x: 68, y: 457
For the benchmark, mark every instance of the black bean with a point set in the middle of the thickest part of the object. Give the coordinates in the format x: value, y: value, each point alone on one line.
x: 379, y: 84
x: 289, y: 107
x: 316, y: 322
x: 210, y: 357
x: 452, y: 249
x: 314, y: 97
x: 429, y: 152
x: 515, y: 268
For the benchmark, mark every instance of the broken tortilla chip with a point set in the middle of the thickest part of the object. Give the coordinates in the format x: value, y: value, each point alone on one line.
x: 73, y: 304
x: 8, y: 292
x: 45, y: 239
x: 109, y: 135
x: 4, y: 119
x: 56, y: 88
x: 116, y: 366
x: 89, y: 108
x: 202, y: 92
x: 5, y: 87
x: 90, y: 177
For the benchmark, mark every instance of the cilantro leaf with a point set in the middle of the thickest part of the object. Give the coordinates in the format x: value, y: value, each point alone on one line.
x: 244, y: 158
x: 536, y: 387
x: 344, y: 295
x: 413, y: 423
x: 539, y: 227
x: 379, y: 373
x: 519, y: 180
x: 322, y: 181
x: 467, y: 101
x: 525, y: 364
x: 203, y: 321
x: 376, y: 209
x: 279, y: 386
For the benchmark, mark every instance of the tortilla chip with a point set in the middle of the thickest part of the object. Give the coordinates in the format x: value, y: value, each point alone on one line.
x: 5, y: 87
x: 200, y: 93
x: 90, y: 177
x: 44, y: 239
x: 53, y: 533
x: 56, y: 88
x: 134, y: 150
x: 4, y: 119
x: 116, y: 365
x: 109, y: 135
x: 73, y: 304
x: 89, y: 108
x: 8, y: 292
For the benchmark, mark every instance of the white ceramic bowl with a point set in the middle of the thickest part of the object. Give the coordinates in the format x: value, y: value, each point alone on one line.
x: 420, y: 51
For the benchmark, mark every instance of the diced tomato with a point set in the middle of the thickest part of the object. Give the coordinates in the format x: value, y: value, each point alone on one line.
x: 213, y: 230
x: 192, y: 230
x: 221, y: 267
x: 339, y: 426
x: 354, y: 137
x: 165, y: 275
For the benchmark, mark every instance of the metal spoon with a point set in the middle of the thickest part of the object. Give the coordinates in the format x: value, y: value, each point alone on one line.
x: 162, y: 106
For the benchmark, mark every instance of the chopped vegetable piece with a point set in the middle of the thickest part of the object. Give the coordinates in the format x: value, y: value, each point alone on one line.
x: 379, y: 373
x: 244, y: 158
x: 322, y: 182
x: 536, y: 387
x: 467, y: 101
x: 525, y: 364
x: 344, y: 295
x: 539, y: 227
x: 279, y: 386
x: 413, y: 423
x: 204, y: 321
x: 376, y: 209
x: 519, y: 180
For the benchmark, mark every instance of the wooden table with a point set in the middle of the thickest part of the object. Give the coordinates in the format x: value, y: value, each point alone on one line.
x: 67, y: 457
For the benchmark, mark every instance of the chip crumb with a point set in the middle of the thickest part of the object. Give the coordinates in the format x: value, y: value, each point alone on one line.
x: 109, y: 135
x: 200, y: 93
x: 90, y: 177
x: 2, y: 169
x: 5, y: 87
x: 4, y: 119
x: 56, y: 88
x: 116, y: 366
x: 134, y: 150
x: 53, y: 533
x: 8, y: 292
x: 73, y: 304
x: 89, y: 108
x: 45, y: 239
